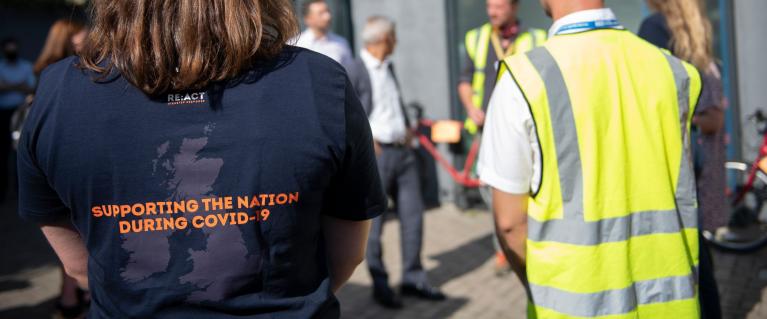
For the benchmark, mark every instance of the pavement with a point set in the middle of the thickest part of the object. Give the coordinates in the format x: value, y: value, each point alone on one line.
x: 457, y: 253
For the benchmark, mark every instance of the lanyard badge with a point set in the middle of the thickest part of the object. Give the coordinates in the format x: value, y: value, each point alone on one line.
x: 589, y: 25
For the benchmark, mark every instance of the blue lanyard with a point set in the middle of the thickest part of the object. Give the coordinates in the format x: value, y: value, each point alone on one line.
x: 590, y: 25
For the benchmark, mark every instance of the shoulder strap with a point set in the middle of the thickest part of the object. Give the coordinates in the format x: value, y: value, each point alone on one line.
x: 401, y: 100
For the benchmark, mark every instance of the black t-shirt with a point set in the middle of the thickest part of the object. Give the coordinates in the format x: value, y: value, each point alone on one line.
x: 202, y: 204
x: 654, y: 29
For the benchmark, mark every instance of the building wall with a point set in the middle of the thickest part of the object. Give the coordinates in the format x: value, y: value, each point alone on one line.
x: 421, y: 57
x: 30, y: 26
x: 751, y: 46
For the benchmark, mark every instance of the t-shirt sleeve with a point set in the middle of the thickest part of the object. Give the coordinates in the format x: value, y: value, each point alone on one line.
x: 356, y: 192
x: 712, y: 93
x: 38, y: 201
x: 467, y: 67
x: 508, y: 155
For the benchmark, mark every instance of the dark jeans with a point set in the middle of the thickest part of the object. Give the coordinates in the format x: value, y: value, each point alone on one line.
x: 710, y: 306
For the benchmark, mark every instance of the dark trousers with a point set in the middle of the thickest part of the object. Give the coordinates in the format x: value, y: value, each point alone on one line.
x: 710, y: 306
x: 5, y: 151
x: 399, y: 175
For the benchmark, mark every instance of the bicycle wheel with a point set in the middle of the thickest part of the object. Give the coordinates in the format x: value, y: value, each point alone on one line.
x: 747, y: 227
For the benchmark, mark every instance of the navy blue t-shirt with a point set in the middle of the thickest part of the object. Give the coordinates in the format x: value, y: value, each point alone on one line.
x: 202, y: 204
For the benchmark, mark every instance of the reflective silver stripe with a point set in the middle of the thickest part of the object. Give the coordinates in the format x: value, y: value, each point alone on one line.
x: 685, y: 191
x: 565, y: 134
x: 618, y: 301
x: 579, y: 232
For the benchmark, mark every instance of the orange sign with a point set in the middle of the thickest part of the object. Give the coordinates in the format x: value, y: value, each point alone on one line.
x: 446, y: 131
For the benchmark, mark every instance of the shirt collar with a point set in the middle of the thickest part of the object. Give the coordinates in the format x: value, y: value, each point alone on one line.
x: 312, y: 37
x: 581, y: 16
x: 372, y: 62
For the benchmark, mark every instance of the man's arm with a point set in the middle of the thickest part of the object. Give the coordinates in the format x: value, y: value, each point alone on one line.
x: 507, y: 162
x: 709, y: 121
x: 510, y: 214
x: 20, y: 87
x: 466, y: 92
x: 345, y: 243
x: 70, y: 248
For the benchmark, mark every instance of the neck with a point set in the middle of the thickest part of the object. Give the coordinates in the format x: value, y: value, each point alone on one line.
x: 560, y: 9
x: 509, y: 29
x: 376, y: 51
x: 509, y: 24
x: 319, y: 33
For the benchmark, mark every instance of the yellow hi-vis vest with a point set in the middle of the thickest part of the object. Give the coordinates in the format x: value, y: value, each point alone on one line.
x: 477, y: 45
x: 612, y: 230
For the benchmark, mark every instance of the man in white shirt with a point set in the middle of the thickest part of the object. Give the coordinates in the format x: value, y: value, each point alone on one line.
x: 318, y: 37
x: 372, y: 76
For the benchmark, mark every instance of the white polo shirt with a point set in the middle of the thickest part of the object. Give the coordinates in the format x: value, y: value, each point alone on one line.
x: 509, y: 157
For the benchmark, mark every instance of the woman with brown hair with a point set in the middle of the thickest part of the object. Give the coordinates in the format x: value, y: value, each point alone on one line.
x: 64, y: 39
x: 682, y: 27
x: 191, y: 165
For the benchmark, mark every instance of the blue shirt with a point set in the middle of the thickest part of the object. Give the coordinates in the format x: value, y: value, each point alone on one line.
x: 203, y: 204
x: 20, y: 72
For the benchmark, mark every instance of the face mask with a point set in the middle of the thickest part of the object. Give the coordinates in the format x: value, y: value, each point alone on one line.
x: 11, y: 55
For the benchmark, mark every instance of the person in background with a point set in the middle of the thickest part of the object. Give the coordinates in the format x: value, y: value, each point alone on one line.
x: 485, y: 46
x: 17, y: 80
x: 587, y: 148
x: 65, y: 38
x: 372, y: 75
x: 503, y: 36
x: 190, y: 164
x: 318, y: 37
x: 682, y: 27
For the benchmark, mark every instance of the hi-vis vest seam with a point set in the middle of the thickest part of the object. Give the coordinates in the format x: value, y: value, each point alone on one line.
x: 573, y: 229
x: 686, y: 196
x: 505, y: 68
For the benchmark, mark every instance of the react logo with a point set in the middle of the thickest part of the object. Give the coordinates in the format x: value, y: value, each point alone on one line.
x: 188, y: 98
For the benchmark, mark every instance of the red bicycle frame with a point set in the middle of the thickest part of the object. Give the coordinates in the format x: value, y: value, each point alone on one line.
x: 463, y: 177
x: 756, y: 166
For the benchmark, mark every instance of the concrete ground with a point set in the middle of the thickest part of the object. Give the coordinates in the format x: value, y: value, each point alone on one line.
x: 458, y: 254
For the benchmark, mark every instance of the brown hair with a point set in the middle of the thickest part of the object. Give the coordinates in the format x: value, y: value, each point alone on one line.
x: 690, y: 30
x: 168, y: 45
x: 59, y: 44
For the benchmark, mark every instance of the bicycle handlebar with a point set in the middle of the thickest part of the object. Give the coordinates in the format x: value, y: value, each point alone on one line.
x: 760, y: 120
